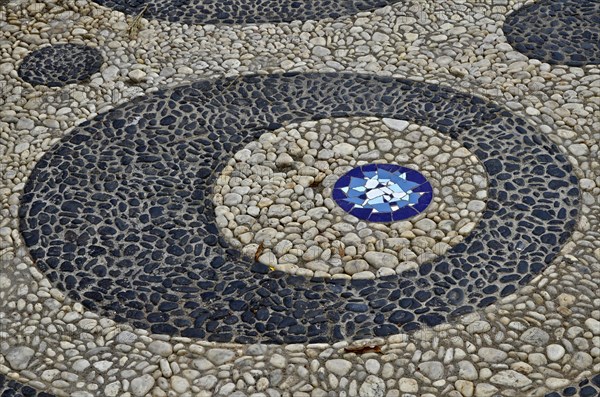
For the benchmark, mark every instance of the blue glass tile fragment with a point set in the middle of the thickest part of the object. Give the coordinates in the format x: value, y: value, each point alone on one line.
x: 383, y: 192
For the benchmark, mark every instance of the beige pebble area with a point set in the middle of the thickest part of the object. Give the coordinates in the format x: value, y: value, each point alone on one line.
x: 542, y: 338
x: 276, y: 194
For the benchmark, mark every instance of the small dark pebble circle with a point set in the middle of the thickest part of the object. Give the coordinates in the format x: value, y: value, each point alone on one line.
x: 11, y: 388
x: 585, y: 388
x: 60, y: 64
x: 242, y: 11
x: 119, y: 213
x: 560, y: 32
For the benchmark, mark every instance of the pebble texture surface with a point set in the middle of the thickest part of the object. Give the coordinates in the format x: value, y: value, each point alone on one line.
x: 60, y: 64
x: 542, y: 338
x: 585, y: 388
x: 243, y: 11
x: 119, y: 214
x: 276, y: 194
x: 563, y: 32
x: 11, y: 388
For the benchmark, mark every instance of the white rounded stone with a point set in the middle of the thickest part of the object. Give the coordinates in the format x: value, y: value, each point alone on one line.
x: 344, y: 149
x: 433, y: 370
x: 220, y: 356
x: 555, y: 352
x: 510, y: 378
x: 140, y: 386
x: 381, y: 259
x: 398, y: 125
x: 408, y: 385
x: 372, y: 366
x: 372, y: 387
x: 18, y: 357
x: 338, y: 366
x: 161, y: 348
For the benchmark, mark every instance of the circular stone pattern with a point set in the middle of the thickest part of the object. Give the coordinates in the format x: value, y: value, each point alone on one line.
x: 274, y: 198
x: 382, y: 192
x: 563, y: 32
x: 119, y: 213
x: 60, y: 64
x: 242, y: 11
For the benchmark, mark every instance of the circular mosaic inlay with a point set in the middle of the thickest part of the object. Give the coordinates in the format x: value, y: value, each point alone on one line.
x: 564, y: 32
x: 383, y: 192
x: 120, y: 214
x: 274, y: 201
x: 60, y: 64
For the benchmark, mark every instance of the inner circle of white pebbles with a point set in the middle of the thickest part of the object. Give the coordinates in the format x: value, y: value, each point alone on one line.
x: 273, y: 199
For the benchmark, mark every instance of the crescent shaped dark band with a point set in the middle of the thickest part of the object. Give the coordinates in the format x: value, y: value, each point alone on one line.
x: 195, y: 12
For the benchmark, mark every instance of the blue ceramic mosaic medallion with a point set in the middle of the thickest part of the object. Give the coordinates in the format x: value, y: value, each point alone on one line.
x: 382, y: 192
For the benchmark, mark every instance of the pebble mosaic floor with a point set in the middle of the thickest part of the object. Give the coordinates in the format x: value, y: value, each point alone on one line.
x: 115, y: 193
x: 10, y: 388
x: 243, y: 11
x: 563, y: 32
x: 300, y: 205
x: 334, y: 244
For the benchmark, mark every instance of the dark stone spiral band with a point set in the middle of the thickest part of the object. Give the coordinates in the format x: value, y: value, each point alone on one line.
x: 119, y: 212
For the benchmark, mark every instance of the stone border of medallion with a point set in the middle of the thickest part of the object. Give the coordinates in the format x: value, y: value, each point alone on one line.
x: 60, y: 64
x: 243, y: 11
x: 273, y: 199
x: 516, y: 239
x: 574, y: 27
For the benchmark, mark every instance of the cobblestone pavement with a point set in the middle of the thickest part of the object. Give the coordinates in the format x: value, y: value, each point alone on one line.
x: 303, y: 199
